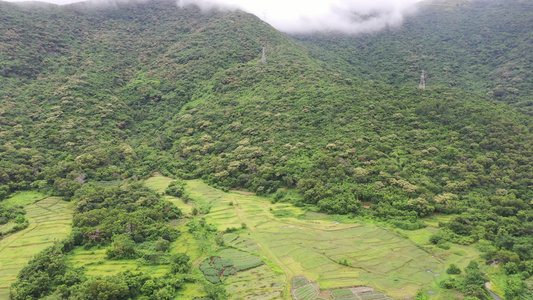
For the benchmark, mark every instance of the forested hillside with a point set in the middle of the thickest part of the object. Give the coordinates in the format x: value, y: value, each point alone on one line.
x: 92, y: 94
x: 481, y: 46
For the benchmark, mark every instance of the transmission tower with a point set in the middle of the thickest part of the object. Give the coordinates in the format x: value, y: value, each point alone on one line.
x: 422, y: 84
x: 263, y: 57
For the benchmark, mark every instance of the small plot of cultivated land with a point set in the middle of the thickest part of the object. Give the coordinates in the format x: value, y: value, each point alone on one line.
x: 304, y: 289
x: 460, y: 255
x: 159, y: 183
x: 307, y: 291
x: 23, y: 198
x: 96, y: 263
x: 374, y: 256
x: 49, y: 221
x: 256, y: 281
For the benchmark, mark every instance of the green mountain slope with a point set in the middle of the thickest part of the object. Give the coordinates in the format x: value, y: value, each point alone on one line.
x: 91, y: 94
x: 482, y: 46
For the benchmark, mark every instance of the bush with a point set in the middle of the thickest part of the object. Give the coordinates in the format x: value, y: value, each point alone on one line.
x: 453, y: 270
x: 405, y: 225
x: 443, y: 245
x: 181, y: 263
x: 176, y: 188
x: 20, y: 219
x: 162, y: 245
x: 448, y: 283
x: 123, y: 247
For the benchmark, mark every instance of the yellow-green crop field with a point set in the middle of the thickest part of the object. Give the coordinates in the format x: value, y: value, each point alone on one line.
x: 294, y: 242
x: 49, y: 221
x: 95, y: 263
x: 333, y: 257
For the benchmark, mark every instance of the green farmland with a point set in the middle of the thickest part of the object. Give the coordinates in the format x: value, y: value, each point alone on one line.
x: 277, y: 250
x: 49, y: 221
x: 294, y: 243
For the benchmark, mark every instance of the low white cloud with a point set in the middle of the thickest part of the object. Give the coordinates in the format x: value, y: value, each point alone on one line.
x: 305, y: 16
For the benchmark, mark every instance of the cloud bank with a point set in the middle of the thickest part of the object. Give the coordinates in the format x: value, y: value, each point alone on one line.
x: 308, y: 16
x: 305, y: 16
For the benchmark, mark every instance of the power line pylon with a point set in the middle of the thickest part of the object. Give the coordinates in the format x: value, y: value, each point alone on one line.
x: 263, y: 57
x: 422, y: 84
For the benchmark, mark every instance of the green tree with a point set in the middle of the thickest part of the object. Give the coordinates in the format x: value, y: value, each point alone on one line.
x: 180, y: 263
x: 453, y: 270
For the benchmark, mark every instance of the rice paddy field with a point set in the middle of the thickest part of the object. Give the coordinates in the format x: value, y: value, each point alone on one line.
x: 284, y: 252
x: 159, y: 183
x: 278, y: 251
x: 49, y: 220
x: 332, y: 254
x: 95, y: 260
x: 95, y: 263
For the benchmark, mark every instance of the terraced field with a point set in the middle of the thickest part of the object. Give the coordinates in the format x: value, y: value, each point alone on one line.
x: 330, y: 253
x: 96, y: 264
x: 339, y: 257
x: 49, y: 221
x: 333, y: 257
x: 159, y: 183
x: 260, y: 282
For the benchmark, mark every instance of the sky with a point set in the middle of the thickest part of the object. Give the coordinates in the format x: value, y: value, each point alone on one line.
x: 308, y: 16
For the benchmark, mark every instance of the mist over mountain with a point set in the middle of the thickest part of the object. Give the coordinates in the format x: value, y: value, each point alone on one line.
x: 296, y: 16
x: 348, y: 16
x: 479, y: 46
x: 93, y: 99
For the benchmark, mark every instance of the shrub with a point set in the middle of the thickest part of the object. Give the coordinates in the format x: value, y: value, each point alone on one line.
x: 443, y: 245
x: 123, y: 247
x: 453, y: 270
x: 176, y: 188
x: 448, y: 283
x: 405, y: 225
x: 181, y: 263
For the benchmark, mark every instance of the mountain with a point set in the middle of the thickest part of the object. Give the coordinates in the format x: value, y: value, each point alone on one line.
x: 482, y: 46
x: 92, y: 94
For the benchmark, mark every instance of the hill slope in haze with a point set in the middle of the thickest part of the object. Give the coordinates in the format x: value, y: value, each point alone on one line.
x: 98, y: 94
x: 482, y: 46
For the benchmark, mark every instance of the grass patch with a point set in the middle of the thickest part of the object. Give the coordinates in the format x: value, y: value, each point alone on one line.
x: 23, y: 198
x: 158, y: 182
x: 283, y: 213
